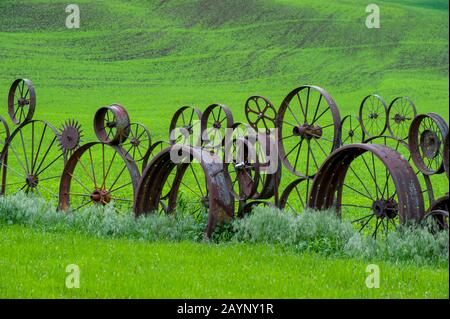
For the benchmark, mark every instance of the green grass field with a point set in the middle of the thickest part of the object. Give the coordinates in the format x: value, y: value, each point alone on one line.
x: 33, y: 265
x: 155, y: 56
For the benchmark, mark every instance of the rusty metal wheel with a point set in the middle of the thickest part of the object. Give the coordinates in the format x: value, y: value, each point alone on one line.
x: 352, y: 131
x: 21, y: 101
x: 98, y: 174
x: 138, y: 143
x: 70, y: 137
x: 400, y: 113
x: 260, y: 113
x: 216, y: 119
x: 426, y: 141
x: 200, y: 184
x: 295, y: 195
x: 446, y: 156
x: 308, y: 123
x: 112, y: 124
x: 185, y: 126
x: 32, y: 160
x: 371, y: 185
x: 373, y: 115
x: 4, y: 132
x: 440, y: 219
x: 441, y: 203
x: 402, y: 147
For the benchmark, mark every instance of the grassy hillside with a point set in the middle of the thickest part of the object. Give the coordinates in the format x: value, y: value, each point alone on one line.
x: 156, y: 56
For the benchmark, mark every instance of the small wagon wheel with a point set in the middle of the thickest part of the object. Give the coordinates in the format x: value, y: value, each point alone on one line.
x: 242, y: 166
x: 138, y: 143
x: 21, y: 101
x: 112, y: 124
x: 353, y: 181
x: 401, y: 112
x: 70, y: 137
x: 32, y: 160
x: 352, y: 131
x: 295, y: 196
x: 260, y: 113
x: 185, y: 124
x: 439, y: 211
x: 446, y: 155
x: 309, y: 125
x: 216, y: 119
x: 403, y: 148
x: 373, y: 115
x: 440, y: 218
x: 426, y: 141
x: 98, y: 174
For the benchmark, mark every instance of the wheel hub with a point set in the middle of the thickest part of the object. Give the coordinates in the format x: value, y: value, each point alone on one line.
x: 399, y: 118
x: 32, y: 181
x: 135, y: 142
x: 101, y: 196
x: 308, y: 131
x: 217, y: 125
x: 429, y: 143
x: 351, y: 133
x: 110, y: 124
x: 373, y: 116
x: 22, y: 102
x: 385, y: 208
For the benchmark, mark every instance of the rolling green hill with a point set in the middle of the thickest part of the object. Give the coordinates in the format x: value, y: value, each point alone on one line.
x: 155, y: 56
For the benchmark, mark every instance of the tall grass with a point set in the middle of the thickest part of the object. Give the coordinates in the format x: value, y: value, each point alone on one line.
x: 311, y: 231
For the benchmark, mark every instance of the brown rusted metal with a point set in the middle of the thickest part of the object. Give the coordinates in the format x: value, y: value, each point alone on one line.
x: 404, y: 201
x: 446, y: 156
x: 294, y: 196
x: 260, y: 113
x: 426, y: 141
x: 219, y: 200
x: 187, y: 120
x: 400, y: 113
x: 440, y: 217
x: 112, y: 124
x: 93, y: 174
x: 352, y: 131
x: 21, y: 101
x: 373, y: 115
x: 215, y: 120
x: 310, y: 122
x: 138, y: 143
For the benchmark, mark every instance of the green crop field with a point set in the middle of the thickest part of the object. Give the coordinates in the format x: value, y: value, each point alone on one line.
x: 155, y: 56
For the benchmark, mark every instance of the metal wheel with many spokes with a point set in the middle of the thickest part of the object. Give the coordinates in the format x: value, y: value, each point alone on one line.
x: 216, y: 119
x: 260, y: 113
x: 308, y: 124
x: 98, y: 174
x: 373, y: 115
x: 371, y: 185
x: 294, y: 196
x: 112, y: 124
x: 154, y: 149
x: 21, y: 101
x: 32, y: 160
x: 426, y: 141
x: 185, y: 126
x: 138, y: 143
x: 400, y: 114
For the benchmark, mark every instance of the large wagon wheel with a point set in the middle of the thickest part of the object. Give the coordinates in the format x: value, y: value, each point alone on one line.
x: 186, y: 125
x: 138, y: 143
x: 201, y: 184
x: 32, y: 160
x: 21, y: 101
x: 112, y: 124
x: 400, y: 114
x: 426, y: 140
x: 260, y: 113
x: 403, y: 148
x: 373, y: 115
x: 216, y: 119
x: 308, y: 124
x: 4, y: 132
x: 371, y: 185
x: 98, y: 174
x: 352, y: 131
